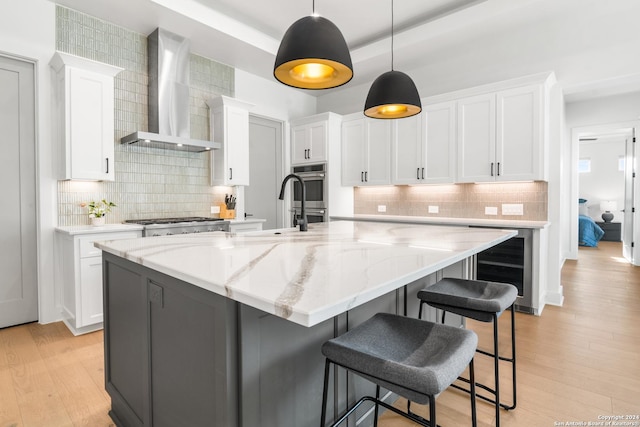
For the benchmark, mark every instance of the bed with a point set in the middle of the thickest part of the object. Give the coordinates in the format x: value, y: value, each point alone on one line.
x: 589, y: 233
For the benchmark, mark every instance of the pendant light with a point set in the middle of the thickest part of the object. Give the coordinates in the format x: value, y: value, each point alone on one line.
x: 393, y: 95
x: 313, y: 55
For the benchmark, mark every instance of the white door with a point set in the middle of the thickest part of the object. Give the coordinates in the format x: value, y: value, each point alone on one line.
x: 353, y: 148
x: 627, y: 221
x: 18, y: 257
x: 378, y: 152
x: 407, y: 150
x: 265, y: 173
x: 477, y: 139
x: 439, y: 142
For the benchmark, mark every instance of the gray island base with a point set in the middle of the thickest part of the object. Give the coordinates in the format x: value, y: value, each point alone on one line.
x: 219, y: 329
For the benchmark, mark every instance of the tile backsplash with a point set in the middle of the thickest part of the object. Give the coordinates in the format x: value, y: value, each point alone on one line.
x: 149, y: 182
x: 455, y: 200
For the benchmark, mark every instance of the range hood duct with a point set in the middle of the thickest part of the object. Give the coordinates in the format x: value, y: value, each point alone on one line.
x: 169, y: 122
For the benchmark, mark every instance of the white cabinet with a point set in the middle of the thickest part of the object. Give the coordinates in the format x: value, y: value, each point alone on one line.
x: 245, y: 226
x: 408, y: 154
x: 79, y: 278
x: 84, y: 117
x: 230, y: 126
x: 439, y: 142
x: 501, y: 136
x: 366, y: 147
x: 309, y: 140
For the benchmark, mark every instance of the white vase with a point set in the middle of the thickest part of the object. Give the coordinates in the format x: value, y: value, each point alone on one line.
x: 97, y: 222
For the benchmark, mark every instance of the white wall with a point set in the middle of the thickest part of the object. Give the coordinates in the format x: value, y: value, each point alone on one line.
x: 605, y: 181
x: 27, y: 29
x: 273, y: 99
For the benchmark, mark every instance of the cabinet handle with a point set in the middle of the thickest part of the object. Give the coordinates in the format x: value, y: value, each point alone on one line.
x: 107, y: 165
x: 422, y: 173
x: 491, y: 168
x: 230, y: 173
x: 498, y: 169
x: 417, y: 173
x: 366, y: 176
x: 308, y: 153
x: 361, y: 176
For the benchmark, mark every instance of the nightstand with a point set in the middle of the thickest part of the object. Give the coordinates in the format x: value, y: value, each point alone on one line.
x: 612, y: 231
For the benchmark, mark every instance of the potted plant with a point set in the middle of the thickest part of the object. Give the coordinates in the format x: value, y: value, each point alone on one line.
x: 98, y: 210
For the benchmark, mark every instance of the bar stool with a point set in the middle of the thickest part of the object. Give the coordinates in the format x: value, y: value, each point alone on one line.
x: 485, y: 302
x: 414, y: 358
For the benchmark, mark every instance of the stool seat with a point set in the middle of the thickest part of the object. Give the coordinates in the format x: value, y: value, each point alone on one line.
x: 475, y: 299
x: 411, y: 357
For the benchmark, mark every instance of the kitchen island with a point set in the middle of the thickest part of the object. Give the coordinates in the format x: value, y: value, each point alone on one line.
x: 222, y: 329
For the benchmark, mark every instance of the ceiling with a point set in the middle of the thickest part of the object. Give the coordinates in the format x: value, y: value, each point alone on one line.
x: 246, y: 34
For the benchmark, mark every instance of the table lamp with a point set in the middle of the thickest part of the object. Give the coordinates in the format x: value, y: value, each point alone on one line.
x: 607, y: 206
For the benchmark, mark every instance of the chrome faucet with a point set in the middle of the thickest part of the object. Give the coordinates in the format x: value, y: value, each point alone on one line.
x: 302, y: 222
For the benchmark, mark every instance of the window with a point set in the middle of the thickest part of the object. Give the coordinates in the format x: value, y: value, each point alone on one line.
x: 621, y: 163
x: 584, y: 165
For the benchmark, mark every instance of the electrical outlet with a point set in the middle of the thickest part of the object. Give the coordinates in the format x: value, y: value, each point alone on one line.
x: 382, y: 208
x: 512, y: 209
x: 491, y: 210
x: 215, y: 209
x: 433, y: 209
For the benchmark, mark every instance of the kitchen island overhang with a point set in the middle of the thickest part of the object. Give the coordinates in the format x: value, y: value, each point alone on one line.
x: 308, y: 278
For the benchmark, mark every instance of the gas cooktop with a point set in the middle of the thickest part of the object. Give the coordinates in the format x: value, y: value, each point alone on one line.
x: 153, y: 221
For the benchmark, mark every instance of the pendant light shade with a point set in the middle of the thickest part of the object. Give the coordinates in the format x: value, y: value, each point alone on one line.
x: 313, y: 55
x: 392, y: 95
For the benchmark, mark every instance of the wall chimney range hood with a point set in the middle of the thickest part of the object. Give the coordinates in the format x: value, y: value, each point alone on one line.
x: 169, y: 123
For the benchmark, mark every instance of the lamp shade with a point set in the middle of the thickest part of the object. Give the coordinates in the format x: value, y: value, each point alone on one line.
x: 313, y: 55
x: 392, y: 95
x: 608, y: 205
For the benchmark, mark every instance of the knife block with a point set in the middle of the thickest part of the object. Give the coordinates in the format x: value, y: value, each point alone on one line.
x: 227, y: 213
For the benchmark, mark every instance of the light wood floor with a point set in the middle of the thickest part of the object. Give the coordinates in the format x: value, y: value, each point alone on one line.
x: 575, y: 362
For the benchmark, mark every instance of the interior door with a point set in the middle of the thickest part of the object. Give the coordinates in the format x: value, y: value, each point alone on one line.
x: 627, y: 236
x: 265, y: 172
x: 18, y: 257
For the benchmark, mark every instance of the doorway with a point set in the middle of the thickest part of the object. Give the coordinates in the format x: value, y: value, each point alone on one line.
x: 18, y: 256
x: 606, y: 155
x: 265, y: 171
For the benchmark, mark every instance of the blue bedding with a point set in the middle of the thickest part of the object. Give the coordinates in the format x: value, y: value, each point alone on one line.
x: 589, y: 233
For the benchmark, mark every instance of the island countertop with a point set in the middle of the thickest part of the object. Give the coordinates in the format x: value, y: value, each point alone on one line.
x: 308, y: 277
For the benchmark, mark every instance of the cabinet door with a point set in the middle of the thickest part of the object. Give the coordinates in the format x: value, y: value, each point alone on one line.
x: 237, y: 145
x: 476, y: 138
x: 439, y: 142
x: 407, y: 151
x: 353, y: 149
x: 519, y: 145
x: 318, y: 133
x: 378, y: 170
x: 90, y: 307
x: 90, y: 124
x: 299, y: 144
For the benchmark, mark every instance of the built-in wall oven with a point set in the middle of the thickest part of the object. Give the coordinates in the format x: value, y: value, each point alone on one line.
x: 315, y: 182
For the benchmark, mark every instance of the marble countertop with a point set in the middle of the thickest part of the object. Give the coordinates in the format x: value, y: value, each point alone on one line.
x: 308, y: 277
x: 73, y: 230
x: 478, y: 222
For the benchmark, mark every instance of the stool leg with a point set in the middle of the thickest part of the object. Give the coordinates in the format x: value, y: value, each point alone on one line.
x: 420, y: 309
x: 472, y: 379
x: 375, y: 416
x: 432, y: 411
x: 496, y: 362
x: 513, y: 353
x: 323, y: 417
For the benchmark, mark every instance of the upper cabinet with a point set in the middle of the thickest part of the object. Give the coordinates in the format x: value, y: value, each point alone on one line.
x: 230, y: 126
x: 84, y: 117
x: 310, y: 139
x: 366, y: 148
x: 501, y: 136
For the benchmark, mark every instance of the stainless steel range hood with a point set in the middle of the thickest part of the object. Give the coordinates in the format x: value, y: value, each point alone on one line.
x: 169, y: 126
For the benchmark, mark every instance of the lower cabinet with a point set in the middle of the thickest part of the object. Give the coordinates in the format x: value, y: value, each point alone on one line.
x: 80, y: 278
x: 245, y: 226
x: 178, y: 355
